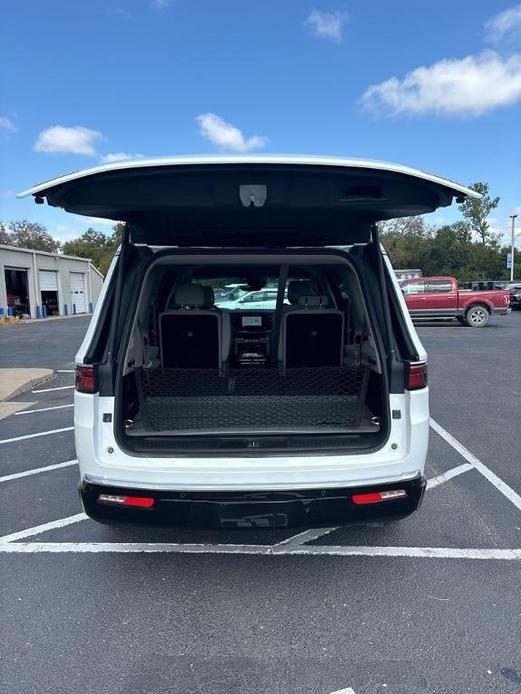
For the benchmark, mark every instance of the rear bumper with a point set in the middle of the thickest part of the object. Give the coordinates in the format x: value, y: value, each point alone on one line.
x: 296, y: 508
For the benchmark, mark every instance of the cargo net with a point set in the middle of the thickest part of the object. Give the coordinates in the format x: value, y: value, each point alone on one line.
x: 307, y: 400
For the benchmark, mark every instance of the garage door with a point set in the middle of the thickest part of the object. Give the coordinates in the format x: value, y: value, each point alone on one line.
x: 48, y: 281
x: 78, y: 291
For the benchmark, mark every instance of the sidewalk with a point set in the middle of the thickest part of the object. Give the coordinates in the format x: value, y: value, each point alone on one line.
x: 24, y: 321
x: 16, y: 381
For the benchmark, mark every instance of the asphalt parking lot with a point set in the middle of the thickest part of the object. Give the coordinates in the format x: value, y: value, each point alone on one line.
x: 430, y: 604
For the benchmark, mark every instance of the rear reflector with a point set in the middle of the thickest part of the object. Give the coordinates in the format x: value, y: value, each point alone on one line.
x: 377, y: 497
x: 85, y: 379
x: 416, y: 377
x: 134, y: 501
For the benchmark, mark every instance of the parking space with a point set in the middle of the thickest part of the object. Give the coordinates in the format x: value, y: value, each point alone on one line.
x: 428, y: 604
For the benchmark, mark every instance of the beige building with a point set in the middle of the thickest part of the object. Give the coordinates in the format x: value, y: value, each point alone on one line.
x: 40, y: 284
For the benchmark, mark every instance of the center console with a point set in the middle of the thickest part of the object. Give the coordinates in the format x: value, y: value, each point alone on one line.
x: 252, y: 335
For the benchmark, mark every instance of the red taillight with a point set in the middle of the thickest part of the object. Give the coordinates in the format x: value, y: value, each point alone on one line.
x: 85, y: 381
x: 416, y: 376
x: 134, y: 501
x: 377, y: 497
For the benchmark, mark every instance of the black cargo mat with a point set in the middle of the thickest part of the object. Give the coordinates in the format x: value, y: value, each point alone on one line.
x: 303, y: 400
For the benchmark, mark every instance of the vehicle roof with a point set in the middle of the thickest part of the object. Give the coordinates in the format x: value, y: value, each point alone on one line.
x: 249, y: 159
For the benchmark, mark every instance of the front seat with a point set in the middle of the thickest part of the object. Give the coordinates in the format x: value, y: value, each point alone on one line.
x: 191, y: 334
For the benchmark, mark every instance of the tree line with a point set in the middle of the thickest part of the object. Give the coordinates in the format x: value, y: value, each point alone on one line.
x: 467, y: 249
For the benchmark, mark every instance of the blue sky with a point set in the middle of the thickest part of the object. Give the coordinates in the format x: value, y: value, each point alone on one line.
x: 433, y: 85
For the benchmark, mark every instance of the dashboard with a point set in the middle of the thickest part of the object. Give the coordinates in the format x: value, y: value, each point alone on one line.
x: 251, y: 338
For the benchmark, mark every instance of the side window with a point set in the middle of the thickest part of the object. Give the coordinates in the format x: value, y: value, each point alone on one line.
x: 439, y: 286
x: 417, y: 287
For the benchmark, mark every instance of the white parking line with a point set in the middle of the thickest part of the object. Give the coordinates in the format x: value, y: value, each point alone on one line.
x: 10, y: 546
x: 45, y: 409
x: 64, y: 371
x: 445, y: 476
x: 37, y: 529
x: 344, y: 691
x: 498, y: 483
x: 48, y: 390
x: 301, y: 538
x: 36, y: 471
x: 40, y: 433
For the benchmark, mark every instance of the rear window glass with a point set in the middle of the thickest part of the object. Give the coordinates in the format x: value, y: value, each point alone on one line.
x: 235, y: 293
x: 439, y: 286
x: 414, y: 288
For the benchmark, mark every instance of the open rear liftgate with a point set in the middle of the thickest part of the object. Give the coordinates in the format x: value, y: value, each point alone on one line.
x: 252, y: 401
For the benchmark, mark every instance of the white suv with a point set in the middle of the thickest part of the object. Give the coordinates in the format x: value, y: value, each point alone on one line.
x: 310, y: 410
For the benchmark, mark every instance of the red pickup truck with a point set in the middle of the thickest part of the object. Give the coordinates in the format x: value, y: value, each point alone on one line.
x: 439, y: 297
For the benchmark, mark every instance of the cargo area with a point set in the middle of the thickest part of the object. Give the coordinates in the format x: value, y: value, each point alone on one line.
x: 251, y: 401
x: 230, y: 354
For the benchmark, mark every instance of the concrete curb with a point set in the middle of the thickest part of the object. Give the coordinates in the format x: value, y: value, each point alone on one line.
x: 27, y: 321
x: 16, y: 381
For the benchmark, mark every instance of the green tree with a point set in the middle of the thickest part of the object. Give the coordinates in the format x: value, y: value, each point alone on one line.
x: 450, y: 249
x: 476, y: 212
x: 114, y: 242
x: 407, y: 241
x: 92, y: 244
x: 25, y: 234
x: 97, y: 246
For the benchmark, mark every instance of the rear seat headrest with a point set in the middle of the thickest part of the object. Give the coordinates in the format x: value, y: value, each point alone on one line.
x: 313, y: 301
x: 192, y: 295
x: 298, y: 289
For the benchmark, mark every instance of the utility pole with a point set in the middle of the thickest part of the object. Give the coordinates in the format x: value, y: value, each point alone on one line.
x: 513, y: 250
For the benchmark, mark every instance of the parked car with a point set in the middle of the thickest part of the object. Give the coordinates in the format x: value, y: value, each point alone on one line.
x: 515, y: 296
x: 439, y: 297
x: 313, y: 412
x: 264, y: 299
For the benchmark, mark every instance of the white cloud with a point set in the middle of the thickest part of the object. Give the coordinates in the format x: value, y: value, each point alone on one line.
x: 160, y: 4
x: 505, y: 25
x: 76, y: 140
x: 327, y: 25
x: 467, y: 87
x: 7, y: 124
x: 226, y: 136
x: 118, y: 156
